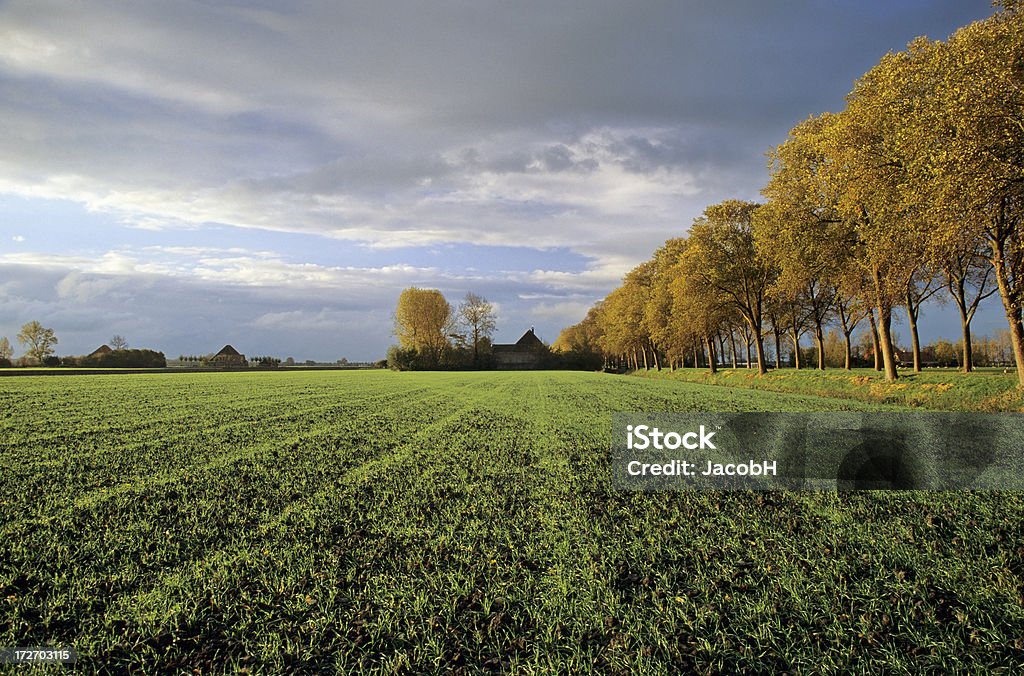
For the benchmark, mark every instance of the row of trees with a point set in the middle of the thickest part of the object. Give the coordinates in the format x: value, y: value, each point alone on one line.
x: 39, y: 342
x: 432, y: 334
x: 989, y: 350
x: 916, y: 186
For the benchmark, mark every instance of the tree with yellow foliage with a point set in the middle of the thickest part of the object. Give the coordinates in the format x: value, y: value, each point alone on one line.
x: 423, y: 322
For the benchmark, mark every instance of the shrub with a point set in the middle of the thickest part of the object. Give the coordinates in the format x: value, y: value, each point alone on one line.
x: 126, y: 359
x: 404, y: 359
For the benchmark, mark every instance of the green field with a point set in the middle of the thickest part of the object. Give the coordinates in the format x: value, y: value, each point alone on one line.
x: 424, y: 522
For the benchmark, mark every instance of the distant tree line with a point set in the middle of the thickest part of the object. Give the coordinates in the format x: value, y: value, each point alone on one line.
x: 39, y: 340
x: 993, y: 350
x: 915, y: 188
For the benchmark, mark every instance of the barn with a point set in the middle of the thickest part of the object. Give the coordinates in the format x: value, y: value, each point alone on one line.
x: 228, y: 357
x: 526, y: 353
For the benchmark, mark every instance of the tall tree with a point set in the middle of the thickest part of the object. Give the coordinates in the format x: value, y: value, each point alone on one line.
x: 796, y: 319
x: 698, y: 311
x: 118, y: 342
x: 5, y: 348
x: 640, y: 282
x: 582, y: 341
x: 969, y: 281
x: 424, y: 321
x: 722, y: 256
x: 850, y: 309
x: 477, y: 315
x: 800, y: 229
x: 38, y: 339
x: 775, y: 312
x: 970, y: 135
x: 665, y: 334
x: 921, y: 286
x: 621, y: 322
x: 868, y: 173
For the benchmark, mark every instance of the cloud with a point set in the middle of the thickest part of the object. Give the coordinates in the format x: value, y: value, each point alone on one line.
x: 396, y: 129
x: 303, y: 320
x: 384, y: 124
x: 18, y: 238
x: 558, y: 311
x: 82, y: 288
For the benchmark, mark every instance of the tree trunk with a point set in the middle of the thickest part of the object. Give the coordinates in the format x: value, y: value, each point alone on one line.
x: 762, y: 366
x: 1012, y: 308
x: 875, y: 341
x: 710, y: 343
x: 657, y: 362
x: 885, y: 338
x: 956, y: 283
x: 745, y: 332
x: 819, y: 338
x: 778, y: 347
x: 795, y: 337
x: 965, y: 325
x: 848, y: 363
x: 696, y: 361
x: 732, y: 347
x: 915, y: 342
x: 884, y: 326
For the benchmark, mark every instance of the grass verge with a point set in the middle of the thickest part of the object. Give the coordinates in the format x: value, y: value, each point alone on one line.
x: 944, y: 390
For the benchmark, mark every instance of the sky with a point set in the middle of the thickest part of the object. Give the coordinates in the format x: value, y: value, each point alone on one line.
x: 272, y: 174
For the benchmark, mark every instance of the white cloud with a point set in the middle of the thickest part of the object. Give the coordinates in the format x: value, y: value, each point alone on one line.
x: 303, y: 320
x: 561, y: 311
x: 18, y: 238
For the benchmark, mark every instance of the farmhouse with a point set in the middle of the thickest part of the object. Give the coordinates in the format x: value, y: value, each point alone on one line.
x: 527, y: 353
x: 102, y: 349
x: 228, y: 357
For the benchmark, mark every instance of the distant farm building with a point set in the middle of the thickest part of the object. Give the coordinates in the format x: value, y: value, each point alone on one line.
x: 102, y: 349
x: 527, y: 353
x: 228, y: 357
x: 906, y: 357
